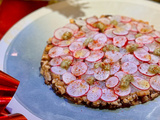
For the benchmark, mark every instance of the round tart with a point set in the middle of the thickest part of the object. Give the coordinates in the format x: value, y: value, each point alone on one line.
x: 104, y: 62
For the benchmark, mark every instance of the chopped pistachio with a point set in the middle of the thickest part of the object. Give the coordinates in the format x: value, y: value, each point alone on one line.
x: 105, y: 66
x: 114, y: 22
x: 154, y: 69
x: 87, y: 41
x: 125, y: 81
x: 110, y: 48
x: 66, y: 35
x: 157, y: 52
x: 138, y: 35
x: 96, y: 65
x: 90, y: 80
x: 65, y: 64
x: 131, y: 48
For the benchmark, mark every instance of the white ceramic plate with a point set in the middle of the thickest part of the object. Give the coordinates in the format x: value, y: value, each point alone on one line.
x: 21, y: 49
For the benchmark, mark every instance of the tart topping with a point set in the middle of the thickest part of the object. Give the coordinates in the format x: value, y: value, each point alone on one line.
x: 58, y: 70
x: 63, y: 33
x: 76, y: 46
x: 112, y: 82
x: 125, y: 81
x: 110, y: 48
x: 129, y: 67
x: 129, y: 58
x: 101, y: 74
x: 154, y: 69
x: 113, y: 55
x: 131, y: 47
x: 157, y: 52
x: 68, y: 77
x: 95, y: 56
x: 119, y: 41
x: 55, y: 61
x: 145, y: 39
x: 155, y: 82
x: 121, y: 91
x: 82, y: 53
x: 65, y: 64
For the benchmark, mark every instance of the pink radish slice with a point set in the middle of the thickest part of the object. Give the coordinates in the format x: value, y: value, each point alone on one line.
x: 126, y: 26
x: 129, y: 67
x: 142, y: 55
x: 77, y: 88
x: 85, y: 77
x: 55, y: 61
x: 80, y: 22
x: 85, y: 29
x: 79, y: 34
x: 152, y: 46
x: 120, y: 31
x: 114, y: 68
x: 95, y: 56
x: 91, y: 34
x: 122, y: 50
x: 112, y: 82
x: 140, y: 83
x: 154, y: 59
x: 73, y: 27
x: 119, y: 41
x: 144, y: 28
x: 120, y: 74
x: 104, y: 20
x: 79, y: 68
x: 92, y: 20
x: 100, y: 84
x: 108, y: 95
x: 81, y: 39
x: 122, y: 92
x: 145, y: 39
x: 68, y: 77
x: 94, y: 94
x: 90, y: 69
x: 55, y: 52
x: 155, y: 82
x: 65, y: 51
x: 101, y: 74
x: 92, y: 28
x: 143, y: 68
x: 55, y: 41
x: 109, y: 33
x: 98, y: 42
x: 109, y: 42
x: 76, y: 60
x: 59, y: 32
x: 76, y: 46
x: 65, y: 43
x: 67, y: 57
x: 115, y: 17
x: 134, y: 26
x: 138, y: 74
x: 131, y: 37
x: 113, y: 56
x: 82, y: 53
x: 157, y: 40
x: 129, y: 58
x: 146, y: 48
x: 58, y: 70
x: 125, y: 19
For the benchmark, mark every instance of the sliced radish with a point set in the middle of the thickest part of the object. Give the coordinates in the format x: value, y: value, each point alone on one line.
x: 104, y: 20
x: 155, y: 82
x: 81, y: 39
x: 138, y: 74
x: 108, y: 95
x: 134, y: 26
x: 129, y: 67
x: 129, y: 58
x: 109, y: 42
x: 90, y: 69
x: 101, y: 74
x: 77, y: 88
x: 98, y: 42
x: 143, y: 68
x: 122, y: 50
x: 125, y: 19
x: 80, y: 22
x: 92, y: 20
x: 107, y: 60
x: 79, y: 34
x: 59, y: 32
x: 130, y: 37
x: 91, y: 34
x: 67, y: 57
x: 76, y: 46
x: 140, y: 83
x: 146, y: 48
x: 76, y: 60
x: 65, y: 51
x: 122, y: 92
x: 65, y: 43
x: 79, y: 68
x: 58, y: 70
x: 55, y: 41
x: 109, y: 33
x: 82, y: 53
x: 94, y: 94
x: 95, y: 56
x: 154, y: 59
x: 55, y: 61
x: 55, y: 52
x: 119, y: 41
x: 100, y: 84
x: 73, y: 27
x: 85, y: 77
x: 120, y: 74
x: 114, y: 68
x: 115, y: 17
x: 144, y: 28
x: 85, y: 29
x: 68, y: 77
x: 112, y: 82
x: 152, y: 46
x: 124, y: 26
x: 145, y: 39
x: 142, y: 55
x: 120, y: 31
x: 92, y: 28
x: 113, y: 55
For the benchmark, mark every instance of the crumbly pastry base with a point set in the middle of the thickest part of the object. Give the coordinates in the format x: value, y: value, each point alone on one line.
x: 59, y: 87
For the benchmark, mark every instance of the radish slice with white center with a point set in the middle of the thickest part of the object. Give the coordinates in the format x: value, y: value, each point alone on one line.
x: 152, y: 46
x: 80, y: 34
x: 122, y: 51
x: 92, y: 20
x: 109, y: 42
x: 138, y: 74
x: 94, y: 94
x: 120, y: 31
x: 101, y: 74
x: 82, y: 53
x: 55, y: 61
x: 65, y: 51
x: 92, y: 28
x: 109, y: 33
x: 76, y: 60
x: 59, y: 32
x: 114, y: 56
x: 55, y: 41
x: 129, y: 67
x: 120, y: 74
x: 134, y: 26
x: 73, y: 27
x: 115, y: 17
x: 155, y: 82
x: 80, y: 22
x: 146, y: 48
x: 140, y: 83
x: 95, y: 56
x: 55, y: 52
x: 104, y: 20
x: 85, y: 77
x: 65, y: 43
x: 114, y: 68
x: 130, y: 37
x: 125, y: 19
x: 85, y: 29
x: 67, y: 57
x: 79, y: 68
x: 76, y: 46
x: 145, y: 39
x: 112, y: 82
x: 108, y: 95
x: 154, y: 59
x: 122, y: 92
x: 142, y: 55
x: 129, y: 58
x: 77, y: 88
x: 119, y: 41
x: 143, y: 68
x: 91, y: 34
x: 144, y: 28
x: 98, y: 42
x: 68, y: 77
x: 126, y: 26
x: 81, y: 39
x: 90, y: 69
x: 58, y: 70
x: 100, y: 84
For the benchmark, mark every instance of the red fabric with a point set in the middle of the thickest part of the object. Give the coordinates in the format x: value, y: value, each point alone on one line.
x: 11, y: 11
